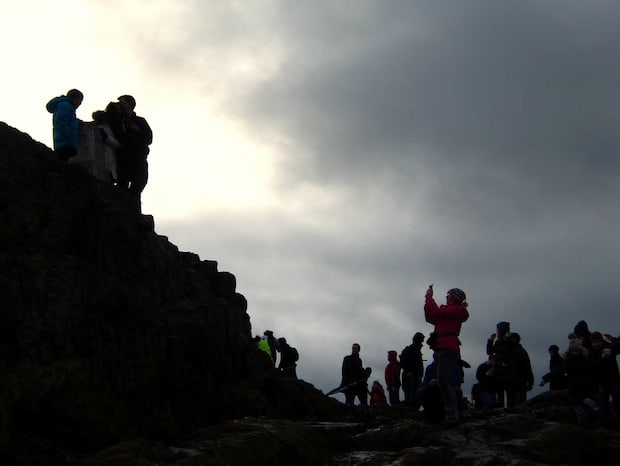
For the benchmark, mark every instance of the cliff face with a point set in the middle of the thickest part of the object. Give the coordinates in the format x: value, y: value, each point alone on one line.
x: 107, y: 331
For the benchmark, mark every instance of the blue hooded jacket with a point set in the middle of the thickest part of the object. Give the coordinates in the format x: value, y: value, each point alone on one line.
x: 65, y: 122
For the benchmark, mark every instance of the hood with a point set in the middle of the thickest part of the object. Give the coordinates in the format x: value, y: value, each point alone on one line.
x: 581, y: 329
x: 391, y: 355
x: 52, y: 104
x: 418, y: 338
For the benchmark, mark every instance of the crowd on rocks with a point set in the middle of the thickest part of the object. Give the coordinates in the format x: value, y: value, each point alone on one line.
x: 587, y: 370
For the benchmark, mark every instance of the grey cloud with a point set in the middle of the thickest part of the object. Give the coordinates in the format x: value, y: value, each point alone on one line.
x: 472, y: 144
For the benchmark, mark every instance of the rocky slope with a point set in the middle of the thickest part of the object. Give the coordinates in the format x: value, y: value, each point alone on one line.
x: 107, y: 330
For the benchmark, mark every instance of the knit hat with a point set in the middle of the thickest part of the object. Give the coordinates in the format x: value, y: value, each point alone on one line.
x: 457, y: 294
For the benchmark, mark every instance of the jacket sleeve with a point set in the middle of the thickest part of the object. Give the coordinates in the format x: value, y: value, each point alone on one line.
x: 430, y: 310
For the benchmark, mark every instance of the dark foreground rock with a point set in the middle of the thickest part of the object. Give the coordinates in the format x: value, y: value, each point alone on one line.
x: 107, y: 330
x: 518, y: 437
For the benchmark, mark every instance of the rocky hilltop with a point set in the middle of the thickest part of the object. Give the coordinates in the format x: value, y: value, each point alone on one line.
x: 108, y: 331
x: 118, y: 349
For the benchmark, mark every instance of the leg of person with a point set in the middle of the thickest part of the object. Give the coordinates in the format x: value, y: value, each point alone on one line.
x: 362, y: 394
x: 122, y: 170
x: 349, y: 397
x: 511, y: 398
x: 489, y: 400
x: 407, y: 389
x: 140, y: 177
x: 415, y: 400
x: 446, y: 366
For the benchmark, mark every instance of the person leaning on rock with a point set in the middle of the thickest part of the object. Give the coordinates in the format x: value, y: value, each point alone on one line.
x: 65, y: 123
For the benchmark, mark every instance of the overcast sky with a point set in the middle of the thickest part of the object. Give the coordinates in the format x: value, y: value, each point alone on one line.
x: 339, y: 156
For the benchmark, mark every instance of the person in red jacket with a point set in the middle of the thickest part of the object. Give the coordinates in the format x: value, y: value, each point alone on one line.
x: 392, y: 378
x: 445, y: 343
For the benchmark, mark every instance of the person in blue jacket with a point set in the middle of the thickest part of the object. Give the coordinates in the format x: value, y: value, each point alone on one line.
x: 65, y: 123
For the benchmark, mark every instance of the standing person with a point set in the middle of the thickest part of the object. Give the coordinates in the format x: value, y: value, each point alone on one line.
x: 65, y: 123
x: 288, y: 358
x: 353, y: 374
x: 557, y: 381
x: 133, y: 169
x: 392, y: 378
x: 521, y: 379
x: 413, y: 369
x: 445, y: 343
x: 273, y: 345
x: 499, y: 346
x: 486, y: 386
x: 607, y: 376
x: 111, y: 130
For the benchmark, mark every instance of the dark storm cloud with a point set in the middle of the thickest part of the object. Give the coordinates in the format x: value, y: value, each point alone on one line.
x: 469, y: 144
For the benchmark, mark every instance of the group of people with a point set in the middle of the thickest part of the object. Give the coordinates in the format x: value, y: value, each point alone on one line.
x: 270, y: 345
x: 588, y: 369
x: 439, y: 391
x: 506, y: 376
x: 126, y: 137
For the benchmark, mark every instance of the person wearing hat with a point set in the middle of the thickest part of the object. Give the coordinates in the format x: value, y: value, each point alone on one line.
x: 133, y: 169
x: 445, y: 344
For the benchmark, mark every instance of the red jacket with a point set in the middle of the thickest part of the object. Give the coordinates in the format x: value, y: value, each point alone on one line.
x: 447, y: 320
x: 392, y: 371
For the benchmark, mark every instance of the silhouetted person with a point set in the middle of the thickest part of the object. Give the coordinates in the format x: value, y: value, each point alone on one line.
x: 499, y: 346
x: 354, y: 374
x: 65, y: 123
x: 109, y: 123
x: 607, y: 377
x: 273, y: 344
x: 413, y: 369
x: 288, y: 358
x: 392, y: 378
x: 486, y: 390
x: 557, y: 381
x: 133, y: 169
x: 521, y: 377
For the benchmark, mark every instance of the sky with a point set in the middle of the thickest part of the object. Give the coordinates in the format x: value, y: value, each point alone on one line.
x: 338, y: 157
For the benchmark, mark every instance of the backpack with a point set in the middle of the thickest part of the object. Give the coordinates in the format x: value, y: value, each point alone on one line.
x: 294, y: 354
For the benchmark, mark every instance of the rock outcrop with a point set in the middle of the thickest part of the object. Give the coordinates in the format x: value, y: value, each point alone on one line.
x: 108, y: 331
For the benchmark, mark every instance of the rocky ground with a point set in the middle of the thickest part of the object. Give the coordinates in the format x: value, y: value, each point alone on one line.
x: 543, y: 432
